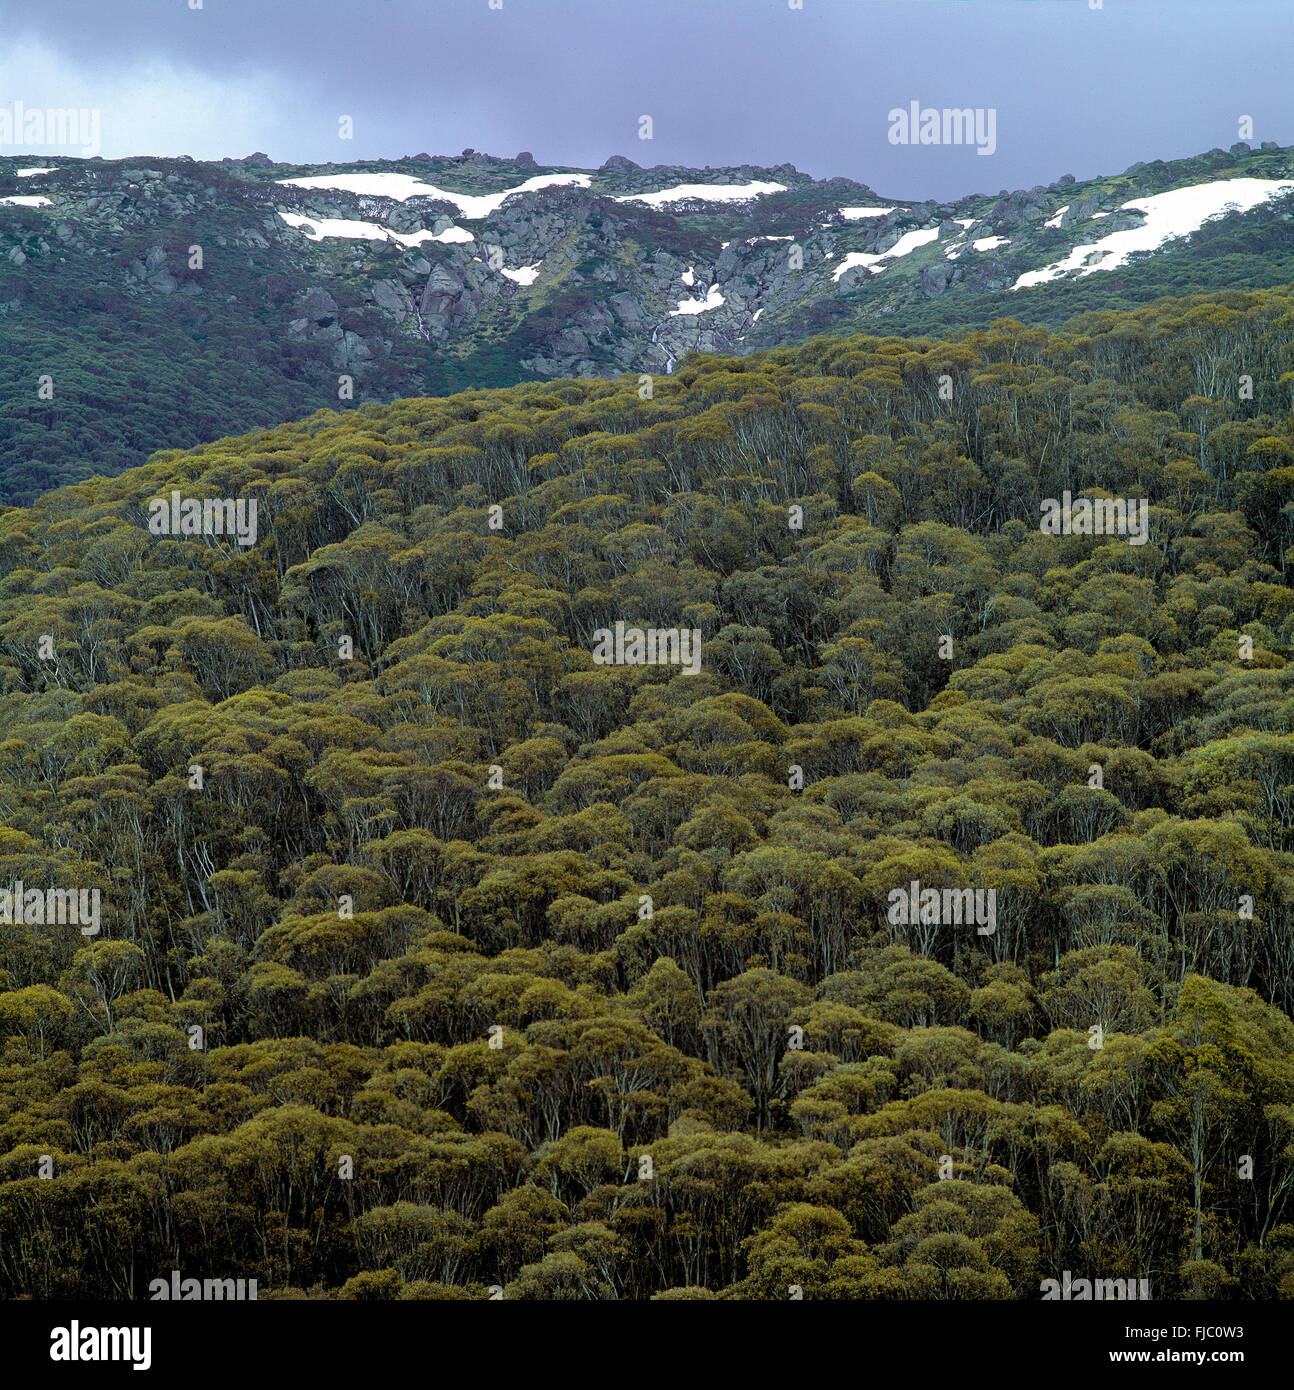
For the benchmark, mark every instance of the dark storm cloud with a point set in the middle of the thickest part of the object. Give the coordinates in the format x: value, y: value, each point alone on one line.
x: 725, y: 81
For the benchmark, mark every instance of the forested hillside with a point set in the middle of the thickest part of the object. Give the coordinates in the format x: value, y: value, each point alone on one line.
x: 438, y: 956
x: 149, y: 303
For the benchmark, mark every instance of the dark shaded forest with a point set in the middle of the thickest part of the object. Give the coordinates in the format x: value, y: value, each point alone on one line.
x: 438, y: 958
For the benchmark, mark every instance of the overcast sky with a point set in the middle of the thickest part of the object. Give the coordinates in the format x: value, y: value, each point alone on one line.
x: 1076, y: 89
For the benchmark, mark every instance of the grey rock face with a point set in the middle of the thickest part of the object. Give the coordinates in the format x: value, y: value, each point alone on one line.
x: 1017, y: 210
x: 318, y: 306
x: 392, y: 298
x: 609, y: 283
x: 1081, y: 209
x: 935, y: 279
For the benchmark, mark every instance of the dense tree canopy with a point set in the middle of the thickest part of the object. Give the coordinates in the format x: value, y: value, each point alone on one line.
x: 437, y: 957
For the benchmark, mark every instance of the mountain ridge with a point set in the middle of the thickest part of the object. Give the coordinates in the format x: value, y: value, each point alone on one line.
x: 168, y: 301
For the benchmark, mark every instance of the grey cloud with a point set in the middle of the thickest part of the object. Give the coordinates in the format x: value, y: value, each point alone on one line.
x: 725, y: 81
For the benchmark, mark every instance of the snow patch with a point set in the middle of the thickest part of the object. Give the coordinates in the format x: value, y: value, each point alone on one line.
x: 31, y: 173
x: 713, y: 299
x: 316, y: 228
x: 1169, y: 215
x: 399, y: 187
x: 909, y: 242
x: 853, y: 214
x: 526, y: 275
x: 853, y: 259
x: 1054, y: 219
x: 688, y: 278
x: 906, y: 244
x: 705, y: 192
x: 24, y: 201
x: 991, y: 243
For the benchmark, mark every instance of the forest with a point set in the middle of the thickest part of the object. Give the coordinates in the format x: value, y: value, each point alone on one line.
x: 437, y: 959
x: 116, y: 341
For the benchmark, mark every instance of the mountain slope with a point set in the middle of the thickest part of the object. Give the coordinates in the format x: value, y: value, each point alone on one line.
x: 146, y: 302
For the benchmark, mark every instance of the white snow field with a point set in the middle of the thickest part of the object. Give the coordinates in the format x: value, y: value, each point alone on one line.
x: 1176, y: 213
x: 704, y: 192
x: 907, y: 243
x: 526, y: 275
x: 316, y: 228
x: 22, y: 200
x: 712, y: 300
x: 472, y: 206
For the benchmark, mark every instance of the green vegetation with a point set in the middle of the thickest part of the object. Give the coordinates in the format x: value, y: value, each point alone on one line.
x: 471, y: 962
x: 100, y: 299
x: 132, y: 369
x: 1238, y: 252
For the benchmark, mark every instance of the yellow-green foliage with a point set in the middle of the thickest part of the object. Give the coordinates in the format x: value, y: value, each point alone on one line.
x: 467, y: 829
